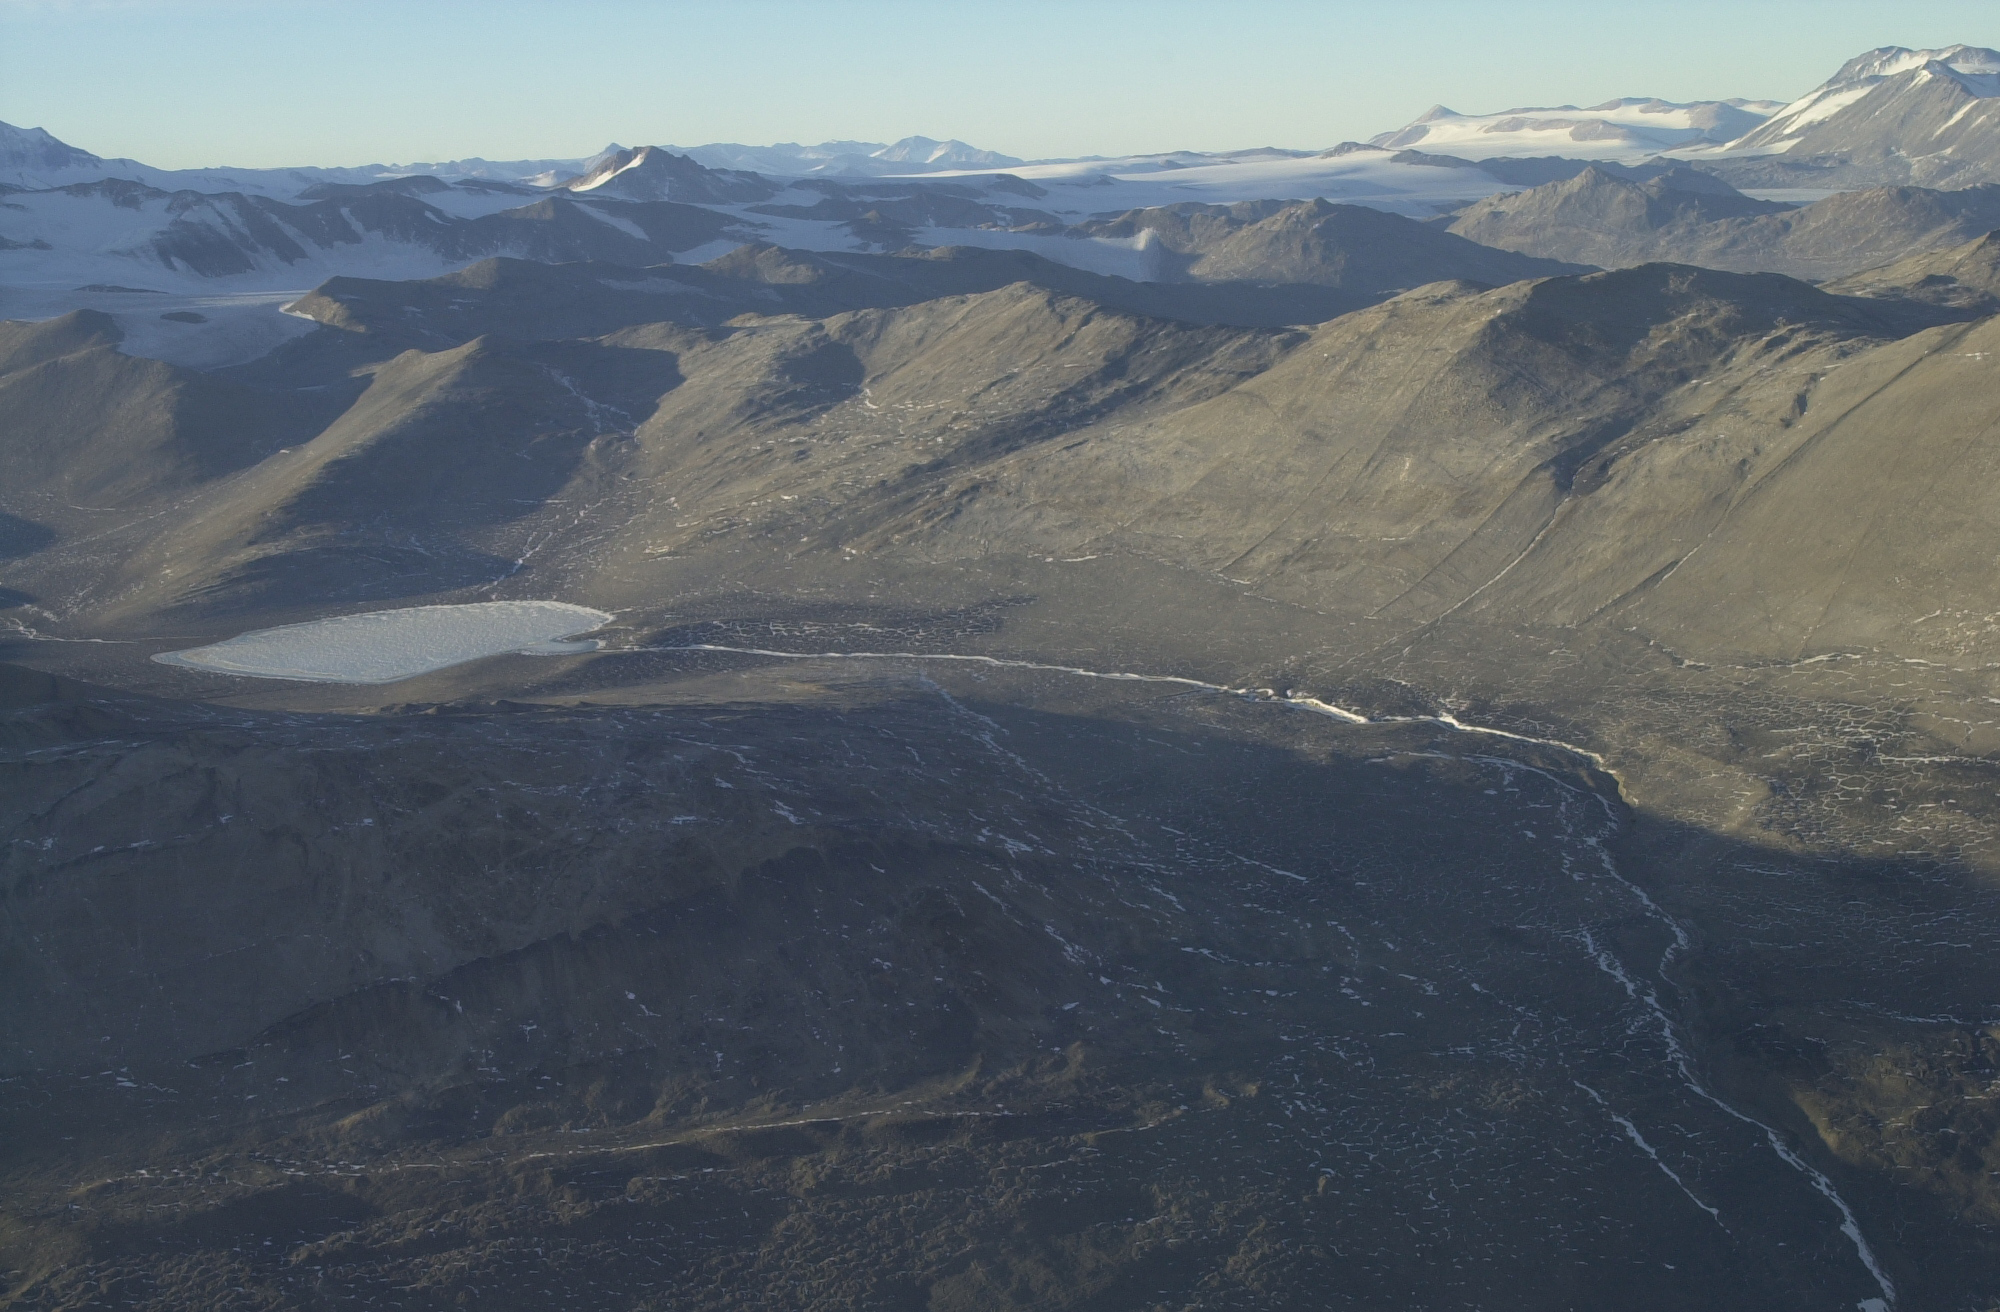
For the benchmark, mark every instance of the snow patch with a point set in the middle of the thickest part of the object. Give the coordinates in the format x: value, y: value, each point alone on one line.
x: 623, y: 225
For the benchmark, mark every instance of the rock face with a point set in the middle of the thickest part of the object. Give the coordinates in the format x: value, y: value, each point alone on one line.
x: 1690, y: 217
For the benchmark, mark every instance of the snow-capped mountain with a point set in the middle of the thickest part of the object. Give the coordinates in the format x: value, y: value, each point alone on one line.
x: 1829, y: 117
x: 1627, y: 129
x: 1890, y: 117
x: 652, y: 173
x: 34, y: 160
x: 923, y: 152
x: 24, y: 150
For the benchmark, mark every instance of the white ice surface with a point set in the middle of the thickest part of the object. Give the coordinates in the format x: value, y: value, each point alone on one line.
x: 1817, y: 108
x: 1365, y: 178
x: 383, y: 646
x: 1626, y: 130
x: 1623, y: 132
x: 240, y: 325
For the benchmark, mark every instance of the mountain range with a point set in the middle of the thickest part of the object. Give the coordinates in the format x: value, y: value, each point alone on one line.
x: 1894, y: 117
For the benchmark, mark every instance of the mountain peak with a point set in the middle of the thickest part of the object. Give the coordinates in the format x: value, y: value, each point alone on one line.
x: 936, y: 154
x: 1898, y: 108
x: 654, y: 173
x: 1888, y: 61
x: 34, y: 148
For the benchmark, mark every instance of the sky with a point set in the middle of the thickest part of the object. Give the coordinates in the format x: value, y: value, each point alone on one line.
x: 259, y: 83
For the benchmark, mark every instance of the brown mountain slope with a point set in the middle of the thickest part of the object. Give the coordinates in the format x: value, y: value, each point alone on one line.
x: 523, y: 299
x: 1499, y: 450
x: 1452, y: 450
x: 1613, y: 223
x: 1963, y: 277
x: 1316, y: 242
x: 445, y: 470
x: 88, y: 424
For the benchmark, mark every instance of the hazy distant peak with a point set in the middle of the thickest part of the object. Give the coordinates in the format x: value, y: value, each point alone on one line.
x: 653, y: 173
x: 34, y: 148
x: 942, y: 154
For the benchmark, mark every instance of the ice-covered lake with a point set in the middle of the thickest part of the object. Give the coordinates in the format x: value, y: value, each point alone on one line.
x: 382, y: 646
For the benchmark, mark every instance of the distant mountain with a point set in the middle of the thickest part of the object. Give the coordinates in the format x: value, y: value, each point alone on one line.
x: 115, y: 231
x: 1893, y: 115
x: 789, y: 158
x: 31, y: 158
x: 1692, y: 218
x: 28, y: 150
x: 1598, y: 218
x: 892, y: 213
x: 651, y: 173
x: 1315, y: 242
x: 532, y: 301
x: 1821, y: 122
x: 1630, y: 128
x: 954, y: 154
x: 849, y: 158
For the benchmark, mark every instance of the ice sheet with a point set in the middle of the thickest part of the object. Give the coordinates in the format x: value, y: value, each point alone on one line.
x: 383, y: 646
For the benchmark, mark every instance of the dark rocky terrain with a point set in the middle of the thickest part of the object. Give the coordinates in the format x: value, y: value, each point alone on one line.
x: 1372, y: 771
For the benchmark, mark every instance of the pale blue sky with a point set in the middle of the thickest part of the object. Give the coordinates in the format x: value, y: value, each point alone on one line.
x: 182, y: 83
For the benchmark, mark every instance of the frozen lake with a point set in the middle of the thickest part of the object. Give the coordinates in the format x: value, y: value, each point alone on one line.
x: 382, y: 646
